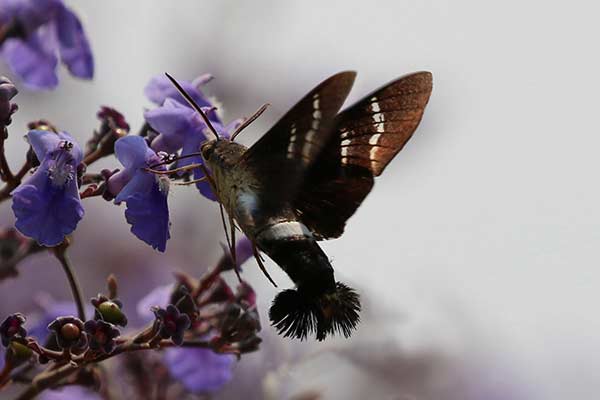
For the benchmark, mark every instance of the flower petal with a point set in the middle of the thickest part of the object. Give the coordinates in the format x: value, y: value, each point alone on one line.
x: 132, y: 152
x: 160, y: 88
x: 171, y: 121
x: 43, y: 142
x: 147, y: 210
x: 199, y: 370
x: 73, y: 45
x: 45, y: 212
x: 33, y: 60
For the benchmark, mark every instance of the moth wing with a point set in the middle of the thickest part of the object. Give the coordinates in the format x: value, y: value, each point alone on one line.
x: 283, y: 155
x: 366, y: 137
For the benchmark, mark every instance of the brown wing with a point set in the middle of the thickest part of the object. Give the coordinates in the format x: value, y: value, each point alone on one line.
x: 367, y: 136
x: 282, y: 156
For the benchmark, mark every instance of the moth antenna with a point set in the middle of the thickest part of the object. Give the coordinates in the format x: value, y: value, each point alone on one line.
x: 249, y: 120
x: 195, y: 106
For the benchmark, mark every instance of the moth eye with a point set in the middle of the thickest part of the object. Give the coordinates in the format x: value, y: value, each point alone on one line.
x: 207, y: 150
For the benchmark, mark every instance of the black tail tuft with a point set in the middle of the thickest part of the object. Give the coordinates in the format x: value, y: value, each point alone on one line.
x: 295, y: 314
x: 340, y: 312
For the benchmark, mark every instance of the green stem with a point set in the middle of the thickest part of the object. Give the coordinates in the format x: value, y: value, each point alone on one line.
x: 61, y: 255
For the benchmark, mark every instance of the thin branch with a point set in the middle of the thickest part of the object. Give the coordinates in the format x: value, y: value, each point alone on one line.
x: 14, y: 182
x: 61, y: 255
x: 50, y: 378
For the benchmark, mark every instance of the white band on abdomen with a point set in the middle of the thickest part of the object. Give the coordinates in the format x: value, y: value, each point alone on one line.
x: 284, y: 230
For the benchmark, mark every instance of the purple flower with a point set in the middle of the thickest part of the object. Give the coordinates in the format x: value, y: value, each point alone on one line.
x: 71, y: 392
x: 144, y: 193
x: 180, y: 127
x: 160, y: 88
x: 44, y: 29
x: 69, y: 333
x: 12, y: 327
x: 200, y: 370
x: 172, y: 323
x: 101, y: 335
x: 47, y: 206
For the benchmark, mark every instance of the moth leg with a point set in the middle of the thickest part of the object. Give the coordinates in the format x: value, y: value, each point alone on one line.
x: 203, y: 179
x: 232, y: 248
x: 260, y: 260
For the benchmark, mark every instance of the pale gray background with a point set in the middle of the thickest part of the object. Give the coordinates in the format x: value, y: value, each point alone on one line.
x: 476, y: 253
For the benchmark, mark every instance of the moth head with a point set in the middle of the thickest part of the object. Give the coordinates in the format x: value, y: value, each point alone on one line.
x: 296, y: 313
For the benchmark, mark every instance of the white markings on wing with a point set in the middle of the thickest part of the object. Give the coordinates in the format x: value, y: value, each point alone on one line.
x: 379, y: 119
x: 314, y: 127
x: 292, y: 146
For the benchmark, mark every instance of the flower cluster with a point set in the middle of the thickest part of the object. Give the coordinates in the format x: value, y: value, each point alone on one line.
x: 210, y: 314
x: 200, y: 325
x: 48, y: 206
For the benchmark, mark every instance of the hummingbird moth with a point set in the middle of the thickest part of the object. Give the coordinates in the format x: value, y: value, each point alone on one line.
x: 302, y: 180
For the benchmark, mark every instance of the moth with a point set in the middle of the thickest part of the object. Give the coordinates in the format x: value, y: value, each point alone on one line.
x: 303, y: 179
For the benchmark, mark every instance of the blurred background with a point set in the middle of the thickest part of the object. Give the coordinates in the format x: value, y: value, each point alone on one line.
x: 475, y: 254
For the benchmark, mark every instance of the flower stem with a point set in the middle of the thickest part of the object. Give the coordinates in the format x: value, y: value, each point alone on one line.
x: 51, y: 377
x: 61, y: 254
x: 14, y: 181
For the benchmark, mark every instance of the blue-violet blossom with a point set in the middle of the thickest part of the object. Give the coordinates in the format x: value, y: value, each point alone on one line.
x: 45, y: 28
x: 47, y: 205
x: 180, y: 127
x: 160, y: 88
x: 144, y: 193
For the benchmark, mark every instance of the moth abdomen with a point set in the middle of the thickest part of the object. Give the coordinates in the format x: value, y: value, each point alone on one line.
x: 319, y: 304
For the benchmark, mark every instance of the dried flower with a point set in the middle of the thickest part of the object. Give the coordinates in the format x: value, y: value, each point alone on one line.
x: 7, y: 92
x: 12, y: 327
x: 101, y: 335
x: 113, y: 126
x: 69, y: 333
x: 171, y: 323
